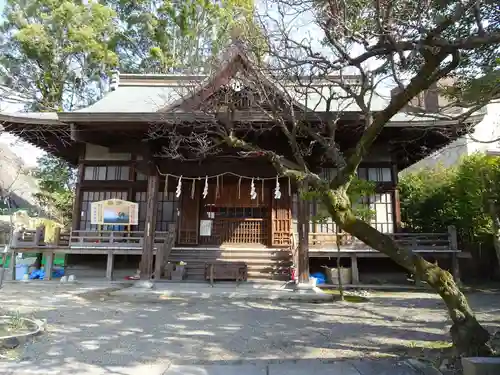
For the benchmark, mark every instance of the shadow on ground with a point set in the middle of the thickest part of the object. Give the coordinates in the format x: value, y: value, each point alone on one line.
x: 108, y: 336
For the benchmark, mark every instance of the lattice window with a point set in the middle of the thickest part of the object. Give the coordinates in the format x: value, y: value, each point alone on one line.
x: 326, y: 225
x: 214, y: 212
x: 237, y: 231
x: 107, y: 173
x: 380, y: 174
x: 167, y: 210
x: 315, y: 225
x: 376, y: 174
x: 95, y: 196
x: 139, y: 176
x: 382, y: 205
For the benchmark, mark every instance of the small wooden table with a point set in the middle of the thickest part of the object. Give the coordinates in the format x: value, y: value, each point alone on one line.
x: 221, y: 270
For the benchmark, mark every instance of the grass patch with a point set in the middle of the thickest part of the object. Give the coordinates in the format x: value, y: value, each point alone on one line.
x: 11, y: 354
x: 12, y: 323
x: 16, y: 322
x: 435, y: 345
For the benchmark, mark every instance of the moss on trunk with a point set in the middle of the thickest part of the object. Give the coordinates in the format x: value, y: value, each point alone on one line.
x: 469, y: 337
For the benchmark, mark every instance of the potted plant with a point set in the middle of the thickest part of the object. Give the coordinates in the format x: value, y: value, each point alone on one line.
x: 179, y: 272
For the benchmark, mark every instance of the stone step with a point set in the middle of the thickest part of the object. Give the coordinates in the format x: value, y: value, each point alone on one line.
x: 481, y: 365
x: 248, y: 262
x: 232, y: 254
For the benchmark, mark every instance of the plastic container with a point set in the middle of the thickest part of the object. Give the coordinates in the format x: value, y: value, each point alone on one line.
x: 21, y: 270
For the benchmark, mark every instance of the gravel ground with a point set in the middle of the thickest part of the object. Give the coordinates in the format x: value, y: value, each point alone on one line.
x: 95, y: 331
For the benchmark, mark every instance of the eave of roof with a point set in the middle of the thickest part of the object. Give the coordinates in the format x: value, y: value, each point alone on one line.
x: 35, y: 118
x: 62, y: 119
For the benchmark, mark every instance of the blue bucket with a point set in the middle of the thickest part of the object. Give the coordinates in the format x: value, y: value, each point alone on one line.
x: 21, y: 270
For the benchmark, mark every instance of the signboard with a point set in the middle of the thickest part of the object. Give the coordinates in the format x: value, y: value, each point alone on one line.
x: 206, y: 228
x: 114, y: 212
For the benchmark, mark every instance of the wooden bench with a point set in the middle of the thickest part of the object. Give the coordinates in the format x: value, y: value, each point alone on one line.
x: 220, y: 270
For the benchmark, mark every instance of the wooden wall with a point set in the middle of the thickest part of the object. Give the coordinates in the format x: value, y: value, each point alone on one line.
x: 278, y: 223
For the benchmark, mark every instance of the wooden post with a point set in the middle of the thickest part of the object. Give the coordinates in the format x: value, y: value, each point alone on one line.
x: 455, y: 268
x: 396, y: 199
x: 354, y: 269
x: 146, y: 265
x: 303, y: 245
x: 159, y: 260
x: 49, y: 262
x: 57, y: 236
x: 12, y: 264
x: 2, y: 270
x: 77, y: 213
x: 163, y: 252
x: 110, y: 265
x: 39, y: 235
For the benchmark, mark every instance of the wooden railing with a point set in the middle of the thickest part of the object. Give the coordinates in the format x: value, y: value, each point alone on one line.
x: 237, y: 231
x: 84, y: 238
x: 131, y: 239
x: 231, y: 231
x: 28, y: 238
x: 429, y: 242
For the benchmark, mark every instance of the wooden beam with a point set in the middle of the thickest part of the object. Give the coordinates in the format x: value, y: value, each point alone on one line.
x: 396, y: 204
x: 77, y: 202
x: 146, y: 265
x: 110, y: 266
x: 49, y: 262
x: 303, y: 245
x: 12, y: 264
x: 455, y: 269
x: 354, y: 269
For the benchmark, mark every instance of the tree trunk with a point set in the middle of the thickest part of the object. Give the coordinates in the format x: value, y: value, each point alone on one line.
x: 496, y: 230
x: 469, y: 337
x: 337, y: 240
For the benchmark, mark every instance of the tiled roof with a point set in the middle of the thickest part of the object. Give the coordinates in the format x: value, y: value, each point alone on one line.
x: 151, y: 94
x: 139, y: 99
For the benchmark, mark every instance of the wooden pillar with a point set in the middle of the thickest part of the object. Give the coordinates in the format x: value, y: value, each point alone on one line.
x: 57, y: 236
x: 396, y: 204
x: 455, y: 269
x: 49, y: 262
x: 15, y: 238
x: 354, y: 269
x: 77, y: 202
x: 303, y: 245
x: 12, y: 264
x: 110, y: 265
x: 146, y: 266
x: 39, y: 235
x: 2, y: 270
x: 160, y: 252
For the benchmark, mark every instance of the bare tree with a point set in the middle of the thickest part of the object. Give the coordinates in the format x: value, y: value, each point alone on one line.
x: 11, y: 186
x: 361, y: 47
